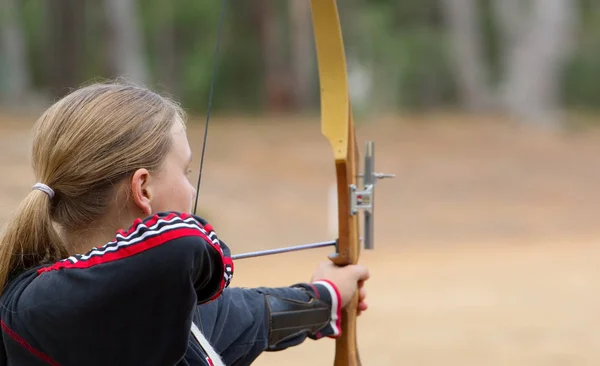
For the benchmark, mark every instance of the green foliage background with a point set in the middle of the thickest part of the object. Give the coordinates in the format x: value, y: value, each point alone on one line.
x: 405, y: 41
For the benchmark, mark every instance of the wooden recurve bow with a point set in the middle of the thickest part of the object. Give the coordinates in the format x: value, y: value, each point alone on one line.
x: 337, y: 126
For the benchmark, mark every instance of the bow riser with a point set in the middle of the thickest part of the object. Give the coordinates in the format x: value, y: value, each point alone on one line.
x: 348, y: 248
x: 337, y: 125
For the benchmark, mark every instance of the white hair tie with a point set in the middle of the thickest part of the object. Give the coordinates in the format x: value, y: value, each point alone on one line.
x: 44, y: 188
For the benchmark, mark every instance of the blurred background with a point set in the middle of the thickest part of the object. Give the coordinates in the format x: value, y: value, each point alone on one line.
x: 486, y: 110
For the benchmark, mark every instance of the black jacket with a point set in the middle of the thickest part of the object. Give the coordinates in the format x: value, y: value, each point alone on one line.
x: 134, y: 301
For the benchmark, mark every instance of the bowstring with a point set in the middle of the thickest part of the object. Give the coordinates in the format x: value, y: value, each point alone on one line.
x: 210, y: 98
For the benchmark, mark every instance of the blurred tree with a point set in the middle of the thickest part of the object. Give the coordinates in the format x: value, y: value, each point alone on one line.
x: 279, y: 79
x: 535, y: 42
x: 537, y: 38
x: 166, y: 46
x: 468, y: 42
x: 302, y: 53
x: 581, y: 76
x: 64, y: 49
x: 125, y: 41
x: 16, y: 75
x: 528, y: 58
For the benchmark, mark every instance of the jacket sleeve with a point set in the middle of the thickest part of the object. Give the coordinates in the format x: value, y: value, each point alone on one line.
x: 243, y: 323
x: 141, y: 288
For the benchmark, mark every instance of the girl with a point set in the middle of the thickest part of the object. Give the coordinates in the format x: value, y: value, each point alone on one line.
x: 77, y: 289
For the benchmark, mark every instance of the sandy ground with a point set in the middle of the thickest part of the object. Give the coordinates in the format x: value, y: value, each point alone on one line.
x: 485, y: 243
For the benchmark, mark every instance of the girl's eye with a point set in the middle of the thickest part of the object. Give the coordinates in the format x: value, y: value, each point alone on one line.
x: 189, y: 171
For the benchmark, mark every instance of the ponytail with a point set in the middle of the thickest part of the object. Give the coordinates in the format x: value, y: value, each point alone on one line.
x: 30, y: 238
x: 83, y: 146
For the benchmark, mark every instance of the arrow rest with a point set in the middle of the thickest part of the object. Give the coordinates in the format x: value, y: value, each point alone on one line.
x: 364, y: 199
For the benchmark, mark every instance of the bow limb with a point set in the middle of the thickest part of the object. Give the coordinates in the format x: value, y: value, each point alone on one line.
x: 337, y: 125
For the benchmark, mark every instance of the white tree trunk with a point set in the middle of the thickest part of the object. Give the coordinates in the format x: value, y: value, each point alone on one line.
x: 126, y: 43
x: 461, y: 17
x: 17, y: 83
x: 536, y: 49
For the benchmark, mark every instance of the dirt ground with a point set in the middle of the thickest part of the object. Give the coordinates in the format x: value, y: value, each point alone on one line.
x: 486, y: 248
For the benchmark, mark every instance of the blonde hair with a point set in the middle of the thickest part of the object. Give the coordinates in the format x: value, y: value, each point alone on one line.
x: 83, y: 146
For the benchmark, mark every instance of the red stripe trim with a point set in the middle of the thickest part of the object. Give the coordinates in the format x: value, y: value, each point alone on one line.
x: 126, y: 251
x: 319, y: 335
x: 130, y: 250
x: 42, y: 356
x: 148, y: 223
x: 226, y: 261
x: 338, y: 322
x: 314, y: 288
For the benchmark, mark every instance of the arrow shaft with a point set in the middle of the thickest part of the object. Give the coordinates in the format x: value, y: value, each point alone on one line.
x: 296, y: 248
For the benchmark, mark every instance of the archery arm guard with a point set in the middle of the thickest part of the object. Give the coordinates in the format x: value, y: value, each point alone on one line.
x: 316, y: 315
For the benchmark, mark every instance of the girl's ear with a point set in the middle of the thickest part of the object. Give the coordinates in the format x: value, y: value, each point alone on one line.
x: 141, y: 190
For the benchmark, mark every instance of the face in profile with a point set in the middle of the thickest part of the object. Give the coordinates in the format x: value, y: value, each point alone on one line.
x: 170, y: 188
